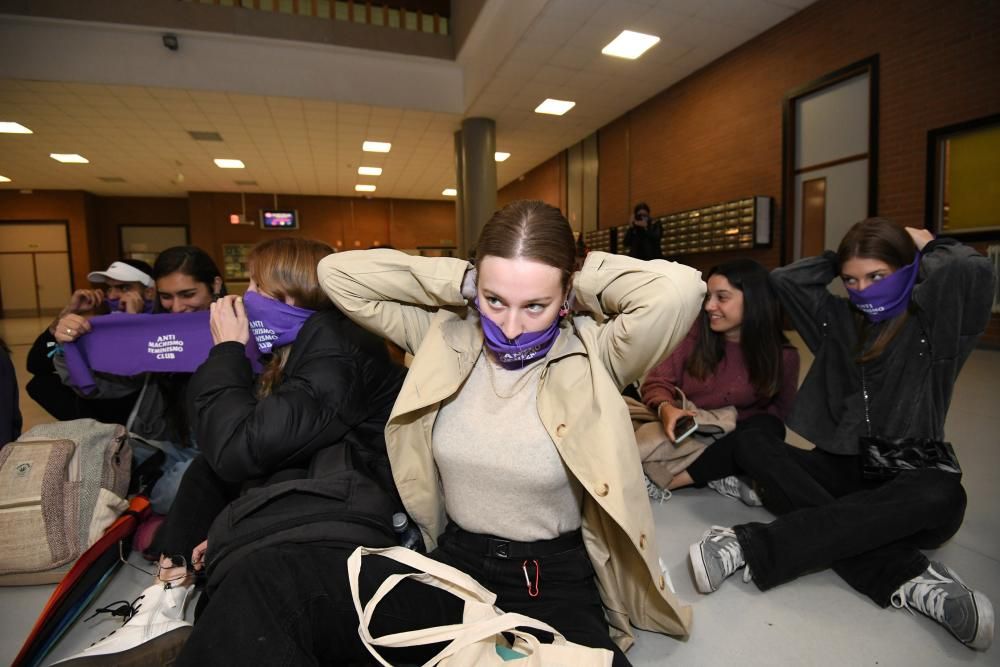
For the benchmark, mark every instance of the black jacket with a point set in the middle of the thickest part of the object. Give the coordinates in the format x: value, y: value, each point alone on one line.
x: 911, y: 382
x: 337, y: 388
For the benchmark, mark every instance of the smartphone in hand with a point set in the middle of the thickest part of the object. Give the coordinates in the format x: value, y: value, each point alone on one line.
x: 684, y: 427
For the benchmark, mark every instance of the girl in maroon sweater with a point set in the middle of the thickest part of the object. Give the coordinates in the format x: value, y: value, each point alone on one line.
x: 735, y: 354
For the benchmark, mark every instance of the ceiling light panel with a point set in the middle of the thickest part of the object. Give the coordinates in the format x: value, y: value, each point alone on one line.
x: 554, y: 107
x: 227, y: 163
x: 500, y: 156
x: 4, y: 179
x: 370, y: 171
x: 630, y: 45
x: 376, y: 146
x: 362, y: 187
x: 9, y: 127
x: 69, y: 158
x: 450, y: 192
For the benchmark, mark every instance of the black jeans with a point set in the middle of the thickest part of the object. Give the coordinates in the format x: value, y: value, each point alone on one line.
x: 201, y: 496
x: 718, y: 460
x: 291, y: 605
x: 869, y: 534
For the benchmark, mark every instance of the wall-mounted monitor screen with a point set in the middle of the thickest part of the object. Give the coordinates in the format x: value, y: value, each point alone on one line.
x: 279, y: 219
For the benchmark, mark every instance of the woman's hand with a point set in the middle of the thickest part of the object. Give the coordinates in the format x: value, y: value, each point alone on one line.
x: 921, y: 237
x: 70, y: 327
x: 132, y: 302
x: 229, y: 320
x: 82, y: 301
x: 198, y: 556
x: 669, y: 416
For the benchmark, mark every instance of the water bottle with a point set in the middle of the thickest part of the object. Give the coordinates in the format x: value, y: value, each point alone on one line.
x: 409, y: 535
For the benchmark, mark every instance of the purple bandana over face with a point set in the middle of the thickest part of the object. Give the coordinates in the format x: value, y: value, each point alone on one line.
x: 273, y: 323
x: 887, y: 298
x: 115, y: 305
x: 522, y: 350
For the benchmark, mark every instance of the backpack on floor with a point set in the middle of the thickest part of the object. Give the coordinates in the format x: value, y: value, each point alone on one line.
x: 61, y: 486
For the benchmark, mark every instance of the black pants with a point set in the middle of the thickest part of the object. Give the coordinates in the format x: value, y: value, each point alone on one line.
x: 291, y: 605
x: 719, y: 459
x: 869, y: 534
x: 201, y: 496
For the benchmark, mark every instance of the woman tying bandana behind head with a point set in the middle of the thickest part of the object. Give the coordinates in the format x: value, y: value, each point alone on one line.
x: 327, y: 384
x: 510, y: 446
x: 886, y: 363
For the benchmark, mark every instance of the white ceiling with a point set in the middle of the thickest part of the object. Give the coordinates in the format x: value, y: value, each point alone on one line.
x: 114, y: 95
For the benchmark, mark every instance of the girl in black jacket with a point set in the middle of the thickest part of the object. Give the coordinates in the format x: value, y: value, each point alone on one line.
x: 327, y: 383
x: 886, y: 363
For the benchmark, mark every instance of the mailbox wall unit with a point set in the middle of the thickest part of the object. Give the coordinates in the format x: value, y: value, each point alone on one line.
x: 740, y: 224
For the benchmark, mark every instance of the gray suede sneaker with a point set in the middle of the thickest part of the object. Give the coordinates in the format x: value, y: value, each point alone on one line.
x: 939, y: 593
x: 715, y: 557
x: 655, y: 492
x: 734, y: 487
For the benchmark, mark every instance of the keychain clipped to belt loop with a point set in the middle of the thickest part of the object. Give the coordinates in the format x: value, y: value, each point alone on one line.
x: 533, y: 592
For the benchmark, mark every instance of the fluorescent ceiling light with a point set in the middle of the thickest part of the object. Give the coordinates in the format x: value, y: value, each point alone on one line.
x: 554, y: 107
x: 69, y: 158
x: 370, y: 171
x: 9, y: 127
x: 363, y: 187
x: 376, y: 146
x: 4, y: 179
x: 630, y: 45
x: 500, y: 156
x: 226, y: 163
x: 450, y: 192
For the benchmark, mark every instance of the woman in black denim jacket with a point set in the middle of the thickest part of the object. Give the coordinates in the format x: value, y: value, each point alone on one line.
x: 916, y: 307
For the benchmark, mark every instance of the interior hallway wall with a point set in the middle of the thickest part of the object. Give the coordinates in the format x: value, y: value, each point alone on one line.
x: 717, y: 135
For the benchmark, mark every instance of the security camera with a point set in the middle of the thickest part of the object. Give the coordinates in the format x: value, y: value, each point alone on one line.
x: 170, y: 41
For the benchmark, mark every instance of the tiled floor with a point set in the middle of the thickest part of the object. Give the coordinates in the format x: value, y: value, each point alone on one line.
x: 816, y: 620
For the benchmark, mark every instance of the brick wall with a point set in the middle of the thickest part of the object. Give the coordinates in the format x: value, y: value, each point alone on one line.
x: 717, y: 135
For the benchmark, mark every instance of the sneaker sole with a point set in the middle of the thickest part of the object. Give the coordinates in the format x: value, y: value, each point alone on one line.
x: 701, y: 579
x: 159, y: 651
x: 984, y: 634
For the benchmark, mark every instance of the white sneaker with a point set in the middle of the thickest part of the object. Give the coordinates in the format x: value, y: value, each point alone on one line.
x: 153, y: 633
x: 734, y: 487
x: 655, y: 492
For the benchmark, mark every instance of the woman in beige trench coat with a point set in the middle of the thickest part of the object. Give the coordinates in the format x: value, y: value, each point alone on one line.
x: 628, y: 314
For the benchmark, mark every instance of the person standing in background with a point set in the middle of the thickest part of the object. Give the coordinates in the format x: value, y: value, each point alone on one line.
x: 642, y: 240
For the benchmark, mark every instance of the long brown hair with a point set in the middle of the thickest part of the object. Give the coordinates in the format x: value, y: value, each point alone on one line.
x: 761, y: 337
x: 286, y: 267
x: 882, y: 240
x: 533, y: 230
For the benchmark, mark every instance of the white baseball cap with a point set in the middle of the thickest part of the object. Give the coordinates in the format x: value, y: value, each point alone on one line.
x: 123, y: 272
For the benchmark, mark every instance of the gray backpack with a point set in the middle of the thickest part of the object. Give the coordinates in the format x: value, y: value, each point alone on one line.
x: 61, y: 486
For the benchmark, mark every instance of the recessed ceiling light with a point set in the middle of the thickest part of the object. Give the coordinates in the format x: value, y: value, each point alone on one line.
x: 376, y: 146
x: 500, y: 156
x: 227, y: 163
x: 630, y: 45
x: 204, y: 135
x: 554, y: 107
x: 4, y: 179
x: 370, y: 171
x: 363, y: 187
x: 69, y: 158
x: 111, y: 179
x: 9, y: 127
x: 450, y: 192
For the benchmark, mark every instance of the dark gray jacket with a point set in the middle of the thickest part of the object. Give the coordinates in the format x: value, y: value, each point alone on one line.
x: 911, y: 382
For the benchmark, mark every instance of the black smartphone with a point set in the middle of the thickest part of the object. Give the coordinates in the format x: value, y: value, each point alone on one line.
x: 684, y: 427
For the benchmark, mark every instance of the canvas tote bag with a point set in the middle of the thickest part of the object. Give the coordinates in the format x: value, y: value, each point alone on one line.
x: 472, y: 643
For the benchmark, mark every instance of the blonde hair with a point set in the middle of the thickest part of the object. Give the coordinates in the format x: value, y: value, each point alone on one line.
x: 286, y: 267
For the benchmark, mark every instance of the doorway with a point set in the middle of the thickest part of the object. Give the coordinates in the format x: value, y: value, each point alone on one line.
x: 35, y: 275
x: 830, y: 158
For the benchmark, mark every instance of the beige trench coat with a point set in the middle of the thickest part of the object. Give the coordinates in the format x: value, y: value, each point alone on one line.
x: 636, y: 313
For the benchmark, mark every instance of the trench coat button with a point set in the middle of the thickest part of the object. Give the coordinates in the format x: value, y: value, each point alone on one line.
x: 561, y: 430
x: 642, y: 540
x: 602, y: 490
x: 663, y: 582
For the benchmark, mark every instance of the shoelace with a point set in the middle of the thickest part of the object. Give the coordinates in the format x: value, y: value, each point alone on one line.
x: 926, y: 595
x: 731, y: 554
x: 655, y: 492
x: 122, y: 608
